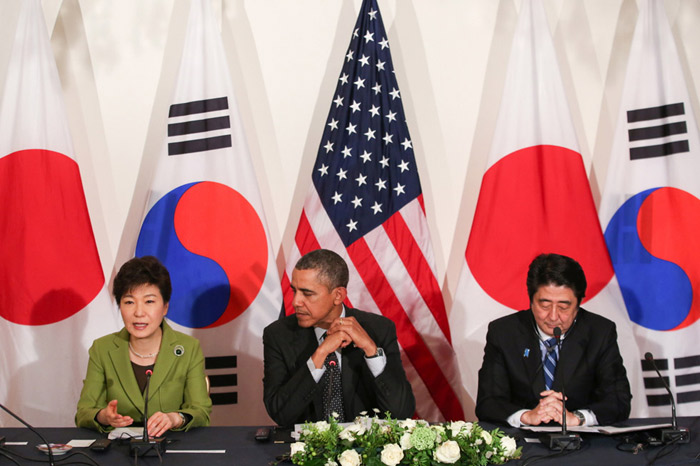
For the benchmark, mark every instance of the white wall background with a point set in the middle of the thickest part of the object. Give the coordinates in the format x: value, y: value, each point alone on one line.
x: 285, y: 57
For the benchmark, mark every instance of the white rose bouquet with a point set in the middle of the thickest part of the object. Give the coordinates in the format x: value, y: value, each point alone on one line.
x: 370, y: 441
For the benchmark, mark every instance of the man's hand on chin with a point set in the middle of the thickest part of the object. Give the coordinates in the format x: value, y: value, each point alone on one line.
x: 357, y: 334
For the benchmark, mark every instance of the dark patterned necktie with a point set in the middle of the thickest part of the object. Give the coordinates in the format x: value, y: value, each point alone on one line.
x: 550, y: 362
x: 332, y: 389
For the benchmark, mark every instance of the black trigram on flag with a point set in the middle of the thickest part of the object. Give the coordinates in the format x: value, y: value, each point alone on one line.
x: 199, y: 126
x: 657, y: 131
x: 222, y: 379
x: 687, y: 380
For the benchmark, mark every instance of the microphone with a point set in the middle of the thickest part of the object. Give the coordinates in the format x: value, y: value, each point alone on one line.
x: 331, y: 366
x: 147, y: 446
x: 564, y: 440
x: 557, y: 335
x: 675, y: 434
x: 48, y: 446
x: 149, y: 373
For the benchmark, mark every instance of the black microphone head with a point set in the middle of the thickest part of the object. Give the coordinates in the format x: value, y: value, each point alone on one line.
x: 557, y: 332
x: 648, y: 356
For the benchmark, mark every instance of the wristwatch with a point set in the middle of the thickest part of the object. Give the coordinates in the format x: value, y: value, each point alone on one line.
x: 580, y: 416
x: 380, y: 352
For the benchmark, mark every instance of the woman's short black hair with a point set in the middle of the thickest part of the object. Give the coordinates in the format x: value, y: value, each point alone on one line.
x: 146, y: 270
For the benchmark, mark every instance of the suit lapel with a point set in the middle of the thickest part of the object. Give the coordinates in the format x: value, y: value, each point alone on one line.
x: 165, y: 361
x: 350, y: 375
x: 533, y: 361
x: 572, y: 350
x: 119, y: 356
x: 303, y: 344
x: 352, y: 368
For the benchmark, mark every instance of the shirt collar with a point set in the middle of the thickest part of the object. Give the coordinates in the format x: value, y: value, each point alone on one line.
x: 543, y: 336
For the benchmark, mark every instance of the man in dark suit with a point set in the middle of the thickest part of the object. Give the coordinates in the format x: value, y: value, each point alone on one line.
x: 297, y: 349
x: 521, y: 356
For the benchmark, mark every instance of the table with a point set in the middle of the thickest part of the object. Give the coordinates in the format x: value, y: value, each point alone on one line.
x: 239, y: 443
x: 602, y: 449
x: 242, y: 449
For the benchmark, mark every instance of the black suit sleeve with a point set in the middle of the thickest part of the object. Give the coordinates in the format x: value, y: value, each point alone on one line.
x: 610, y: 396
x: 497, y: 397
x: 288, y: 387
x: 590, y: 368
x: 292, y: 396
x: 392, y: 390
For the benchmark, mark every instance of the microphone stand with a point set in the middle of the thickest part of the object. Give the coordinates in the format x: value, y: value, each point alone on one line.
x: 147, y: 446
x: 331, y: 366
x: 563, y: 440
x: 48, y: 446
x: 675, y: 434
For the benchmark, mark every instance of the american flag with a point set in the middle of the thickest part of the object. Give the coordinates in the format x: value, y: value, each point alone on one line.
x: 366, y: 204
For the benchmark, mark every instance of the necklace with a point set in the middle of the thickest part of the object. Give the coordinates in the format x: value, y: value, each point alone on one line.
x: 143, y: 356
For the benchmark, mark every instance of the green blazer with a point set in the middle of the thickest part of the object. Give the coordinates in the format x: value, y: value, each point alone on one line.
x: 178, y: 382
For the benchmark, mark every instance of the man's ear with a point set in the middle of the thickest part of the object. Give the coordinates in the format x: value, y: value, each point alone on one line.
x: 339, y: 295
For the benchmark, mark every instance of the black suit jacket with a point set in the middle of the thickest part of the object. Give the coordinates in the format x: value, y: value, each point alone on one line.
x: 590, y: 369
x: 292, y: 396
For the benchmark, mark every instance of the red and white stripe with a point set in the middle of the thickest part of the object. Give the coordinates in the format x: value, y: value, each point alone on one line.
x: 392, y: 273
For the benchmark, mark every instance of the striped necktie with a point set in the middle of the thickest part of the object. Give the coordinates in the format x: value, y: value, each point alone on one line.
x: 550, y: 362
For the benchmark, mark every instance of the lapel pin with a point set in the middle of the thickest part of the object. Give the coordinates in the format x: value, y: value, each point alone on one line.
x: 526, y: 353
x: 179, y: 350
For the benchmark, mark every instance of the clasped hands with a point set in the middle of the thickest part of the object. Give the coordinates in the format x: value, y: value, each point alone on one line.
x: 548, y: 409
x: 158, y: 423
x: 342, y: 332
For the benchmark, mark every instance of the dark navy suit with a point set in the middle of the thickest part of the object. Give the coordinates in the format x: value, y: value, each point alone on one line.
x: 590, y: 369
x: 292, y: 396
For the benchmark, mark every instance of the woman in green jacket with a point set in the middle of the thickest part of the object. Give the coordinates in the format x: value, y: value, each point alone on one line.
x: 112, y: 394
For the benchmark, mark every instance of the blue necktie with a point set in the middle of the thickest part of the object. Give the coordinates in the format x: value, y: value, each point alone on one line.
x: 550, y: 362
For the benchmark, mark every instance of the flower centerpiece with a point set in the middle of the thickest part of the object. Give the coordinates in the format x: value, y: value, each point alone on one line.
x: 371, y: 441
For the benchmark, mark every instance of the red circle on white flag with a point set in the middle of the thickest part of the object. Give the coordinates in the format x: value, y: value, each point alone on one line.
x: 50, y: 267
x: 532, y: 201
